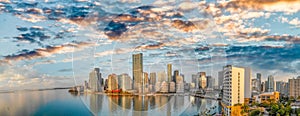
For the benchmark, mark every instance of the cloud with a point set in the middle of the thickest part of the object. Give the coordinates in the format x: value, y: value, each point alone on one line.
x: 295, y: 22
x: 186, y: 6
x: 20, y: 78
x: 287, y: 6
x: 46, y: 52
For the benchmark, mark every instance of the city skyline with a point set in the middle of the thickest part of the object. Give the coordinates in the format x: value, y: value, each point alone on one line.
x: 43, y: 49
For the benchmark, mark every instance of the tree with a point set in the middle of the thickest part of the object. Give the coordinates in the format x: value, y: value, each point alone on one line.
x: 281, y: 112
x: 274, y: 108
x: 245, y: 108
x: 254, y: 113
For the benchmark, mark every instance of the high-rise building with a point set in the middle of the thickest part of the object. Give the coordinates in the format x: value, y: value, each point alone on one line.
x: 220, y: 79
x: 172, y: 88
x: 145, y: 83
x: 179, y: 84
x: 202, y: 80
x: 263, y: 87
x: 95, y: 80
x: 169, y: 72
x: 152, y: 81
x: 161, y: 76
x: 247, y: 84
x: 125, y: 82
x: 294, y: 87
x: 210, y: 82
x: 195, y: 82
x: 258, y: 77
x: 281, y: 87
x: 255, y: 85
x: 233, y: 87
x: 112, y: 82
x: 270, y: 84
x: 152, y: 78
x: 164, y: 87
x: 176, y: 73
x: 137, y: 64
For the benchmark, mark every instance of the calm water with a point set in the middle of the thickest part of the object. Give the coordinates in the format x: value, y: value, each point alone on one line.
x: 60, y: 102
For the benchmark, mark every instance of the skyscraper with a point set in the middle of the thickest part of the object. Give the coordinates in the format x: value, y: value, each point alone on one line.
x: 220, y: 79
x: 294, y: 87
x: 258, y: 77
x: 125, y: 82
x: 270, y: 84
x: 247, y: 84
x: 202, y: 80
x: 145, y: 83
x: 95, y: 80
x: 195, y: 82
x: 210, y: 82
x: 281, y: 87
x: 233, y: 87
x: 137, y: 64
x: 112, y: 82
x: 152, y: 78
x: 161, y: 76
x: 169, y: 72
x: 176, y: 73
x: 152, y: 81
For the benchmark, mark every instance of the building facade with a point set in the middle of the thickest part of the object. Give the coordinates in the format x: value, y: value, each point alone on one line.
x: 294, y: 87
x: 95, y: 80
x: 270, y: 84
x: 233, y: 87
x: 137, y: 71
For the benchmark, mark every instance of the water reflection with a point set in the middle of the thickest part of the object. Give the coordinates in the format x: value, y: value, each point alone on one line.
x: 60, y: 102
x: 151, y: 105
x: 96, y: 102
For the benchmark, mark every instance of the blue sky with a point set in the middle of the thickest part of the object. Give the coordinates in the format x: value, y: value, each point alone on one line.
x: 50, y: 43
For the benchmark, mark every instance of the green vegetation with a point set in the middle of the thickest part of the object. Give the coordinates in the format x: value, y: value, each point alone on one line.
x: 254, y: 113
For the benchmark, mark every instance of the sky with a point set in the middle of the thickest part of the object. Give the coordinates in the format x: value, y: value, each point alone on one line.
x: 54, y: 43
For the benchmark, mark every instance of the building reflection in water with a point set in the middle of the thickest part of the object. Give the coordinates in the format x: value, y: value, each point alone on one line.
x: 156, y: 105
x: 113, y: 103
x: 96, y: 103
x: 140, y: 105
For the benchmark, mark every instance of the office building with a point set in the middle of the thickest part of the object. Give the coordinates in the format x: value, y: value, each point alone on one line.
x: 202, y: 80
x: 95, y: 80
x: 270, y: 84
x: 112, y: 82
x: 247, y: 84
x: 172, y: 88
x: 220, y: 79
x: 164, y: 87
x: 195, y: 82
x: 258, y: 78
x: 176, y: 73
x: 137, y: 65
x: 145, y: 83
x: 169, y: 67
x: 281, y: 87
x: 210, y: 82
x: 233, y: 87
x: 125, y: 82
x: 294, y: 87
x: 179, y: 84
x: 152, y: 81
x: 161, y: 76
x: 263, y: 87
